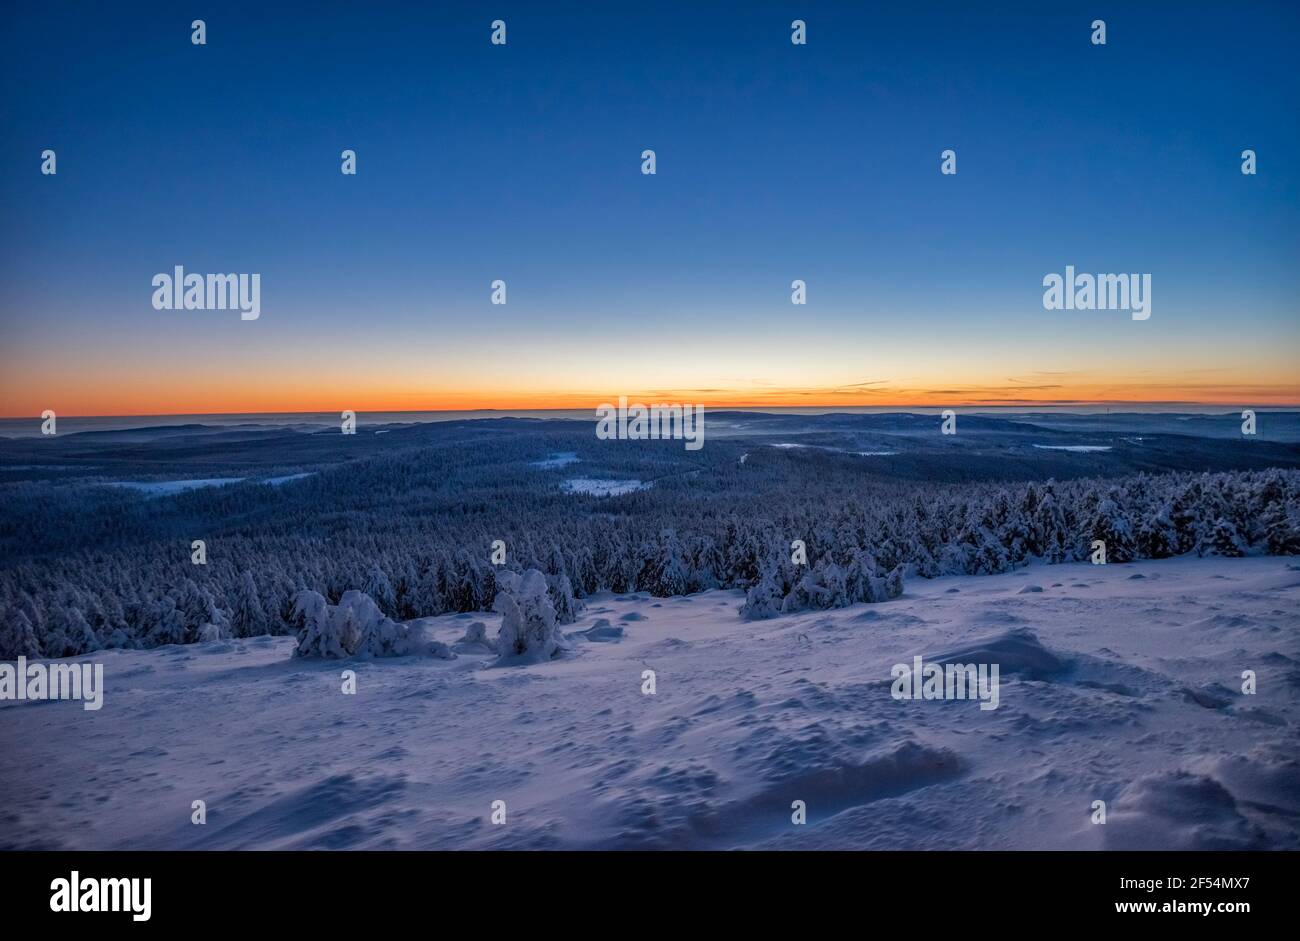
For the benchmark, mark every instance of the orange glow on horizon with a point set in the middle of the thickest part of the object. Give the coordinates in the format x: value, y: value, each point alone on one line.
x: 126, y: 402
x: 328, y: 374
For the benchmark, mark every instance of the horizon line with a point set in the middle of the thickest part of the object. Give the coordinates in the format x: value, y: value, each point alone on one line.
x: 1125, y: 405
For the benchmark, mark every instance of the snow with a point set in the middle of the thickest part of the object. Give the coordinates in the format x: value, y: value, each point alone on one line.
x: 355, y: 627
x: 1113, y: 688
x: 529, y: 631
x: 167, y: 488
x: 557, y: 459
x: 277, y: 481
x: 1077, y: 448
x: 817, y: 447
x: 602, y: 488
x: 475, y: 641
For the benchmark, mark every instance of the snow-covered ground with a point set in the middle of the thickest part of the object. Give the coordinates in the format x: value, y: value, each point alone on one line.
x: 556, y: 459
x: 1077, y: 448
x: 1126, y: 689
x: 167, y: 488
x: 602, y: 488
x: 817, y: 447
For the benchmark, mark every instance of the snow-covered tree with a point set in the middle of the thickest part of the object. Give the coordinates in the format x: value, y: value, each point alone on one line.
x: 1156, y: 536
x: 860, y: 578
x: 17, y: 636
x: 248, y: 619
x: 377, y: 634
x: 415, y: 515
x: 894, y: 582
x: 1223, y: 539
x: 528, y: 626
x: 670, y: 573
x: 1111, y: 525
x: 1281, y: 524
x: 820, y: 588
x: 763, y: 599
x: 356, y: 627
x: 567, y: 607
x: 380, y: 589
x: 319, y: 634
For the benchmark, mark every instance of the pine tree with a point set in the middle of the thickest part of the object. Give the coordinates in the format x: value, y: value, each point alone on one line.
x: 379, y: 588
x: 894, y: 582
x: 1282, y: 530
x: 1110, y: 524
x: 1157, y: 536
x: 670, y: 575
x: 860, y: 576
x: 1225, y: 540
x: 247, y: 619
x: 763, y: 599
x: 17, y: 636
x: 567, y: 607
x: 528, y: 623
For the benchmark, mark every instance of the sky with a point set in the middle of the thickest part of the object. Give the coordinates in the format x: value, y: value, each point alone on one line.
x: 522, y: 162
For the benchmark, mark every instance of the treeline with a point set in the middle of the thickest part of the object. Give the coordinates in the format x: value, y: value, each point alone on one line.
x: 418, y: 546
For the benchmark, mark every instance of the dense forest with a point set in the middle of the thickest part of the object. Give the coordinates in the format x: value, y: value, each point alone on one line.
x: 90, y: 567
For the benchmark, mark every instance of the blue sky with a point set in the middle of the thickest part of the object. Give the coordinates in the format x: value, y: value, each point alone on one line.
x: 522, y: 162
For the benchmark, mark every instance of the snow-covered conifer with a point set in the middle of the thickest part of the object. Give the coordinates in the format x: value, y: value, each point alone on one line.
x: 528, y: 626
x: 763, y: 599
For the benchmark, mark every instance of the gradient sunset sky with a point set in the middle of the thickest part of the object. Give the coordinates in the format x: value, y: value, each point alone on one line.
x: 522, y: 162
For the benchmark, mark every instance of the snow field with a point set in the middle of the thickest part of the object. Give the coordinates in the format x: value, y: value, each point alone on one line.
x: 1120, y: 683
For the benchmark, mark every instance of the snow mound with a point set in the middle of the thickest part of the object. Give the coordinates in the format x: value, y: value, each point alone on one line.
x: 1210, y: 696
x: 1223, y: 622
x: 1178, y: 810
x: 829, y: 777
x: 475, y: 641
x: 1268, y: 780
x: 891, y: 619
x: 320, y: 815
x: 1015, y: 651
x: 1105, y: 673
x: 678, y: 805
x: 600, y: 632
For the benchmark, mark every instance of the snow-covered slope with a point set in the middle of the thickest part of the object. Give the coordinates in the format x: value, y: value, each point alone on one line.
x: 1119, y: 683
